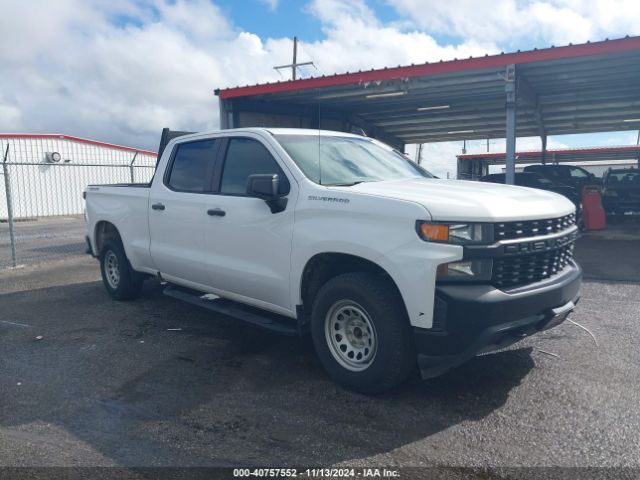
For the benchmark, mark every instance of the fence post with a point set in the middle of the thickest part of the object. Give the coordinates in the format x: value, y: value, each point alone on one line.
x: 133, y: 160
x: 7, y: 189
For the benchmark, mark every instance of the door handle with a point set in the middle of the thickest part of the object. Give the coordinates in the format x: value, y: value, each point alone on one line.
x: 216, y: 212
x: 157, y: 206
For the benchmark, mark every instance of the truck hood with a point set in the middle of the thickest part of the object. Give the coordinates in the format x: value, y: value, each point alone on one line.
x: 458, y: 200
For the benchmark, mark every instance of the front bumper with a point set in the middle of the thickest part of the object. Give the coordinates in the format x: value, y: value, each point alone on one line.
x: 475, y: 319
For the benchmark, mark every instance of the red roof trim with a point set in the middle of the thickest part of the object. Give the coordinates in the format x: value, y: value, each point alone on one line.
x: 568, y: 151
x: 451, y: 66
x: 77, y: 139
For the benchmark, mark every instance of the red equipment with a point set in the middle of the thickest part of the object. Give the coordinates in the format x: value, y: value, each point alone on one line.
x: 592, y: 211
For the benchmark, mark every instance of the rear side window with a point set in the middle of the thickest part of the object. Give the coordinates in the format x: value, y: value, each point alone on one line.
x: 623, y: 178
x: 192, y: 165
x: 578, y: 173
x: 245, y: 157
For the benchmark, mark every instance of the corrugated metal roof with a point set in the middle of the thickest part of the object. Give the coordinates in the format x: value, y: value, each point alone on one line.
x: 76, y: 139
x: 591, y: 87
x: 434, y: 68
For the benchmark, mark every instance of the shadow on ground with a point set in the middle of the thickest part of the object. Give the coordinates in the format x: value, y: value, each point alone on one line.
x: 623, y: 259
x: 125, y: 387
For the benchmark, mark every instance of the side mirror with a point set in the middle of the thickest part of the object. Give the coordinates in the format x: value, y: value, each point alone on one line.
x: 266, y: 187
x: 263, y: 186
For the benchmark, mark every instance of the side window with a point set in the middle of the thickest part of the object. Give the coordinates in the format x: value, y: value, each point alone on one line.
x: 191, y: 165
x: 245, y: 157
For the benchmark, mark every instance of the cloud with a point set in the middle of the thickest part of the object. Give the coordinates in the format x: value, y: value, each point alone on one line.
x: 120, y: 70
x: 272, y: 4
x: 117, y: 72
x: 514, y: 22
x: 355, y: 39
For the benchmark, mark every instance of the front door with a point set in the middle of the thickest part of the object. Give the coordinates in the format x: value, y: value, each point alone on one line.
x: 249, y: 248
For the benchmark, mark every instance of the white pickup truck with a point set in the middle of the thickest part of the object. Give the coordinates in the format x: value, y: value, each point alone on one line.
x: 340, y: 236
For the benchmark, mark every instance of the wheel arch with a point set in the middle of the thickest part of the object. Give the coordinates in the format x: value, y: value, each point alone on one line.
x: 324, y: 266
x: 103, y: 231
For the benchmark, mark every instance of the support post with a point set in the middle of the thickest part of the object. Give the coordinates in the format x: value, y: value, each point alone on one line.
x: 543, y: 153
x: 7, y: 189
x: 510, y: 104
x: 226, y: 114
x: 638, y: 143
x: 133, y: 160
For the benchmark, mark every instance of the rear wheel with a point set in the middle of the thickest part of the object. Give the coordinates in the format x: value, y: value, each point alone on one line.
x: 119, y: 279
x: 361, y: 332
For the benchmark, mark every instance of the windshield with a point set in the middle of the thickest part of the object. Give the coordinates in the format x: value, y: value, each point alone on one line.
x: 336, y: 160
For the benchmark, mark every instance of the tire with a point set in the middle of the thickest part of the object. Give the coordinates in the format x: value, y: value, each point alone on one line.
x: 119, y: 279
x: 356, y: 310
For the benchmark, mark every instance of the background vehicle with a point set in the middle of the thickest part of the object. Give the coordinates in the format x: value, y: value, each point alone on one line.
x: 536, y: 180
x: 621, y: 191
x: 343, y: 237
x: 571, y: 175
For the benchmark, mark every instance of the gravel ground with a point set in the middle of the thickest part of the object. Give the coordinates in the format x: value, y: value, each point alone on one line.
x: 112, y: 384
x: 43, y: 240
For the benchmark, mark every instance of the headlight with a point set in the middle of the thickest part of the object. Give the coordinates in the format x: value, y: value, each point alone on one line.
x: 456, y: 233
x: 467, y: 270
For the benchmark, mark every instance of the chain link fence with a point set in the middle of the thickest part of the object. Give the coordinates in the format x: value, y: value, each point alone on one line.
x: 41, y: 204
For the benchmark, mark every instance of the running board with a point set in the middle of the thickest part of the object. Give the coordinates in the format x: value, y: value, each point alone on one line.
x: 266, y: 320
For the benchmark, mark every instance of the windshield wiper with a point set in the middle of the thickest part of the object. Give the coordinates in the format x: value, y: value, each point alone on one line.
x: 351, y: 184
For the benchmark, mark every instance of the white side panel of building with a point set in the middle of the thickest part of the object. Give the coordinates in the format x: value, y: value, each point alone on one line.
x: 42, y: 188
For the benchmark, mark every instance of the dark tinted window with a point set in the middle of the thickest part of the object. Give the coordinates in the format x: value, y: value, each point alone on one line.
x: 248, y: 157
x: 532, y: 180
x: 191, y: 164
x: 623, y: 177
x: 577, y: 172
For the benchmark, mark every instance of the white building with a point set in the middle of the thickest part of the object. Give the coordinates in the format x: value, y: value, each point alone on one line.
x: 47, y: 173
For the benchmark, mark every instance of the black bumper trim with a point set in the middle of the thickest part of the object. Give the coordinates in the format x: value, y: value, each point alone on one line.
x: 481, y: 318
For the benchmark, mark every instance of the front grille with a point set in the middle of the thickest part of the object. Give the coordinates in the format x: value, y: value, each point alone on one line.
x: 525, y: 269
x: 532, y: 228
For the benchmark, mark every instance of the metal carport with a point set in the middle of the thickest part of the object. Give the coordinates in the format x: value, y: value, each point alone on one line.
x: 474, y: 165
x: 591, y: 87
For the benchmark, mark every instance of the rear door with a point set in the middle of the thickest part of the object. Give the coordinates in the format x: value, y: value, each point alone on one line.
x: 249, y: 248
x: 177, y: 212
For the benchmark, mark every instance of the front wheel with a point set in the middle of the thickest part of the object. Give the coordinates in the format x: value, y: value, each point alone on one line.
x: 361, y: 332
x: 121, y: 282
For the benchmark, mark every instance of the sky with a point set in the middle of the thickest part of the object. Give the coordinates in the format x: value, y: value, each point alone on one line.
x: 119, y: 71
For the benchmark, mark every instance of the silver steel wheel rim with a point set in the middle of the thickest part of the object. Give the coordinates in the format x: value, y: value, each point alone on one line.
x: 111, y: 269
x: 350, y: 335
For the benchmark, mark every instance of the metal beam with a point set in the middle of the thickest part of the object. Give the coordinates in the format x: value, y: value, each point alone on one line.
x: 510, y: 90
x: 638, y: 143
x: 376, y: 132
x: 226, y: 113
x: 528, y: 94
x: 7, y: 187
